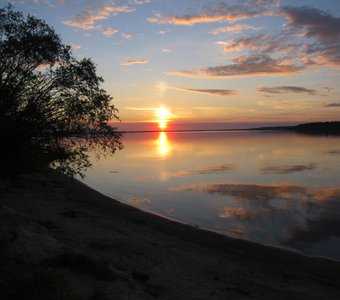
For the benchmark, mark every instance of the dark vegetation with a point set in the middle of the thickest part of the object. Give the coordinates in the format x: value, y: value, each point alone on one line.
x: 319, y: 128
x: 52, y: 105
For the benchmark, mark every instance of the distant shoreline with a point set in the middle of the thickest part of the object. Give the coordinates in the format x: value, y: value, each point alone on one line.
x: 332, y: 128
x: 179, y: 130
x: 312, y: 128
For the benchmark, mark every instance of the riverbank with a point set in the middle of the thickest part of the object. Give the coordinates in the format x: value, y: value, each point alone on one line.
x: 62, y: 240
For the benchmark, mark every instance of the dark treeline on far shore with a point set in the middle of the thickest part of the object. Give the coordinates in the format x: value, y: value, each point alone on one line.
x: 319, y: 128
x: 327, y: 128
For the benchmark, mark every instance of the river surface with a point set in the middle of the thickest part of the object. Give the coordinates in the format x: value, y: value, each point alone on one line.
x: 276, y: 188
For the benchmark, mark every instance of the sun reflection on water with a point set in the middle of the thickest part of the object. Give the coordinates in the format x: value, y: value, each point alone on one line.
x: 279, y: 189
x: 163, y: 145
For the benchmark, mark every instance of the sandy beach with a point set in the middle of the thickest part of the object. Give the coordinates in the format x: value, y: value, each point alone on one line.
x: 79, y: 244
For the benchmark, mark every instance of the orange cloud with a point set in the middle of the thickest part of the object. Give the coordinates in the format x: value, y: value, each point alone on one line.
x: 237, y: 28
x: 85, y: 23
x: 243, y: 66
x: 89, y: 16
x: 75, y: 46
x: 117, y: 9
x: 222, y: 12
x: 135, y: 62
x: 254, y: 42
x: 107, y: 31
x: 189, y: 20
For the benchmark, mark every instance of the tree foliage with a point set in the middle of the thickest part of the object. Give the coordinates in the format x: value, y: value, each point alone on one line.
x: 46, y: 93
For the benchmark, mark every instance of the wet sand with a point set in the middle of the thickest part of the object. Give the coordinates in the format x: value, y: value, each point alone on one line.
x: 104, y: 249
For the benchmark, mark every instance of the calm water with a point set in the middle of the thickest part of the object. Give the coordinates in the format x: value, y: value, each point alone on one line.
x: 275, y: 188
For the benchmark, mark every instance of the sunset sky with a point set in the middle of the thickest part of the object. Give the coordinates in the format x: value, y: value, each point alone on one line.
x: 256, y: 61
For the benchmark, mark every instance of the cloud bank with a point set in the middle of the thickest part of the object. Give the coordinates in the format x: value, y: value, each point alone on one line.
x: 317, y: 23
x: 310, y: 38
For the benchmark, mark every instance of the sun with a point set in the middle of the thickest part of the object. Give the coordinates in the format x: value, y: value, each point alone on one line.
x: 163, y: 115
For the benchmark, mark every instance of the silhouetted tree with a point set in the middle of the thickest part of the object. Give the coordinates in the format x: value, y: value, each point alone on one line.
x: 46, y: 93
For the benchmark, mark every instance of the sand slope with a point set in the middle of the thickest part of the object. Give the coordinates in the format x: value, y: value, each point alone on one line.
x: 107, y: 250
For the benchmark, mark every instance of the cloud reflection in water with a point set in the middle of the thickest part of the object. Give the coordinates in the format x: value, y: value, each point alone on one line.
x: 268, y: 169
x: 268, y: 186
x: 286, y: 214
x: 199, y: 171
x: 138, y: 201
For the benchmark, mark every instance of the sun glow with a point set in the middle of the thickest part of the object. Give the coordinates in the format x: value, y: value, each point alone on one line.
x: 163, y: 115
